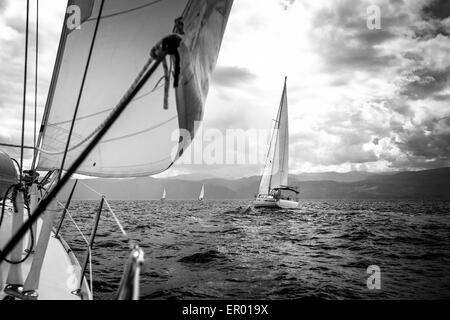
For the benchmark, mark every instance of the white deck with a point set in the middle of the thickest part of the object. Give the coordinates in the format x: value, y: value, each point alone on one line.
x: 57, y: 277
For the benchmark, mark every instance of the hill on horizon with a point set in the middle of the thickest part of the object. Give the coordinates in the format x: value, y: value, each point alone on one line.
x: 425, y: 184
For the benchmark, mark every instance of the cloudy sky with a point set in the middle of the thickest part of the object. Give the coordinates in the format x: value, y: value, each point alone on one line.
x: 359, y: 99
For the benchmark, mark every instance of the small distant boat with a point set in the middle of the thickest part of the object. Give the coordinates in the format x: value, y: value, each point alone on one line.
x: 274, y: 190
x: 202, y: 194
x: 164, y: 195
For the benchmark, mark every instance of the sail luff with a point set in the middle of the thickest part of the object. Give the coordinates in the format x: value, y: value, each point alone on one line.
x: 284, y: 139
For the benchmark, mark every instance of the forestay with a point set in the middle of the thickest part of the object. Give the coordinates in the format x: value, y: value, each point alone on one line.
x: 147, y: 139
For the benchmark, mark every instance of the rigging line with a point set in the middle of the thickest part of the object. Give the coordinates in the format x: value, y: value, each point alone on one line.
x: 158, y: 53
x: 87, y: 243
x: 51, y: 91
x: 98, y: 129
x: 156, y: 88
x: 274, y: 133
x: 125, y: 11
x: 268, y: 159
x: 137, y: 85
x: 91, y: 49
x: 117, y: 220
x: 187, y: 8
x: 277, y: 128
x: 24, y: 89
x: 9, y: 145
x: 36, y: 73
x: 142, y: 131
x: 52, y: 181
x: 276, y: 147
x: 122, y: 229
x: 91, y: 281
x: 80, y: 118
x: 75, y: 224
x: 90, y: 188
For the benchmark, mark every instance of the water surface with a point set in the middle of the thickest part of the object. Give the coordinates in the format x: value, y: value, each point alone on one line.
x: 211, y: 250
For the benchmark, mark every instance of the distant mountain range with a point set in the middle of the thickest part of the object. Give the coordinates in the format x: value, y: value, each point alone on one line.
x: 427, y: 184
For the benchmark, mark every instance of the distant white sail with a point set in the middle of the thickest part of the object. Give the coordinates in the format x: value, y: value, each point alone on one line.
x: 276, y: 170
x: 143, y: 140
x: 164, y: 195
x: 202, y: 193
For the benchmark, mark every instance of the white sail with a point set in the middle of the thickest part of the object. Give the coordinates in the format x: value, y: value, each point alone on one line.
x: 202, y: 193
x: 147, y: 139
x: 164, y: 195
x: 276, y: 170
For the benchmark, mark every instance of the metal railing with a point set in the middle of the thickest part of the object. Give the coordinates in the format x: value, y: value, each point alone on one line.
x: 66, y: 208
x: 129, y: 286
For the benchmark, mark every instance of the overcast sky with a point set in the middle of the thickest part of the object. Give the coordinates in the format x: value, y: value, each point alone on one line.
x: 359, y: 99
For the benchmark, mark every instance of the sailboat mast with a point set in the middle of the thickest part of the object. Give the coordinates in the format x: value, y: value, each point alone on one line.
x: 24, y: 89
x: 51, y: 91
x: 278, y: 123
x: 36, y: 74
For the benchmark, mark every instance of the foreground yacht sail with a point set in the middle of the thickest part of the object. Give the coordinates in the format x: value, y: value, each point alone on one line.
x: 142, y: 140
x: 202, y: 193
x: 274, y: 180
x: 110, y: 113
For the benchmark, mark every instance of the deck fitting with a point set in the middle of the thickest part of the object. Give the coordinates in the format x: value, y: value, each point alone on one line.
x: 30, y: 295
x: 76, y: 292
x: 14, y: 290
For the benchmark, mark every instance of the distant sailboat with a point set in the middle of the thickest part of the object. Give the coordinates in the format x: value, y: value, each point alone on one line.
x: 164, y: 195
x: 202, y: 194
x: 274, y: 181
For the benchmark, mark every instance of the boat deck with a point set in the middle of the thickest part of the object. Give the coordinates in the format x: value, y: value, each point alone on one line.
x: 57, y: 277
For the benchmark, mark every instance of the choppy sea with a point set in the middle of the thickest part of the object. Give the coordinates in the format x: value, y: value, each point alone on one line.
x: 213, y: 250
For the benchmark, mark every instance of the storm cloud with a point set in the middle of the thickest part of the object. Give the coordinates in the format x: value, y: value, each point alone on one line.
x: 358, y: 98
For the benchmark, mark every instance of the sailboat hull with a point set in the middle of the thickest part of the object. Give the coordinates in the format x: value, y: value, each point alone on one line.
x: 270, y: 202
x: 287, y: 204
x: 60, y: 269
x: 265, y: 203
